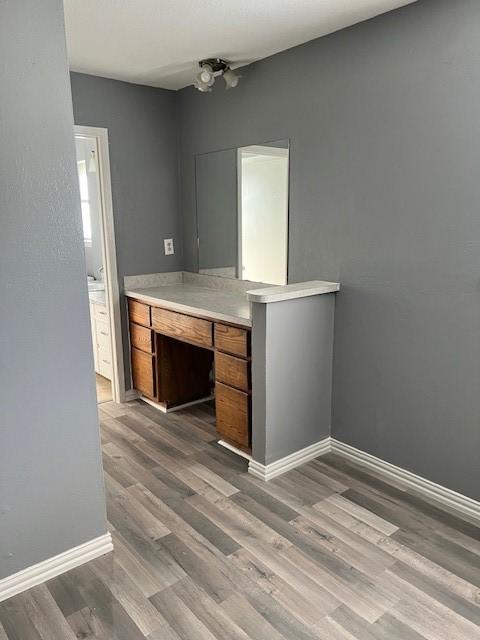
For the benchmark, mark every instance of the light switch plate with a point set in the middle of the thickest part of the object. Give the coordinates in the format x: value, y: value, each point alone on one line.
x: 168, y: 244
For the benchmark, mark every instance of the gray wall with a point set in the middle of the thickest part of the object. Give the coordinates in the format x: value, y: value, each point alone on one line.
x: 291, y: 375
x: 51, y: 485
x: 216, y: 201
x: 384, y: 192
x: 142, y: 133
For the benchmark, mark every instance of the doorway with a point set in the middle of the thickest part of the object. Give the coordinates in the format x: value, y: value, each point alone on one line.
x: 263, y: 212
x: 93, y: 168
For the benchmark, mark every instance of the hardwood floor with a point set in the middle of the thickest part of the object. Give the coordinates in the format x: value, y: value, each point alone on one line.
x: 104, y: 389
x: 204, y: 551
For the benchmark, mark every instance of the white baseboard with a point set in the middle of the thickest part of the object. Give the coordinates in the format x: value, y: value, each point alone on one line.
x: 47, y: 569
x: 422, y: 486
x: 269, y: 471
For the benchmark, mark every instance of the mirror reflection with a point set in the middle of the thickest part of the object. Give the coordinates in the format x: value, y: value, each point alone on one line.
x: 242, y: 212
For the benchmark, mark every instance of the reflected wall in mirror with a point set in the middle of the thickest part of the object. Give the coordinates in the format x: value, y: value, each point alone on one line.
x: 242, y: 212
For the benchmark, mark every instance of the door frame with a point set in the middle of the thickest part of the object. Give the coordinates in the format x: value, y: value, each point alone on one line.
x: 109, y: 255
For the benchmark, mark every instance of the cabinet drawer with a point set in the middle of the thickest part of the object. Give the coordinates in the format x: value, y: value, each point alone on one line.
x: 105, y: 362
x: 233, y: 415
x: 232, y: 371
x: 232, y: 340
x: 141, y: 338
x: 101, y: 312
x: 94, y: 335
x: 102, y: 335
x: 182, y: 327
x: 139, y: 313
x: 143, y: 372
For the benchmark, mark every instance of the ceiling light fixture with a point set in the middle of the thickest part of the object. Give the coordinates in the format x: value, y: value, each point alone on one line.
x: 210, y: 69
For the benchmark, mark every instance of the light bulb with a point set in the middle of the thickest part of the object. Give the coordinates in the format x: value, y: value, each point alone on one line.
x: 201, y: 86
x: 206, y: 75
x: 231, y: 78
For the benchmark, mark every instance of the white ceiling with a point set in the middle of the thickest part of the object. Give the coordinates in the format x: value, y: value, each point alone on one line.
x: 159, y: 42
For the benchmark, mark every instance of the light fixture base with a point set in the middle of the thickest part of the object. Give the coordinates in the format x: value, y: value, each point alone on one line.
x: 216, y: 64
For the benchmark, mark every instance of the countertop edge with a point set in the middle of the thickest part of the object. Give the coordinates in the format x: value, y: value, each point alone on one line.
x: 292, y: 291
x: 184, y: 308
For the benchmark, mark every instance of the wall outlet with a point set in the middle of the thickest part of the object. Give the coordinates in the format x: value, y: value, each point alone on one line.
x: 168, y: 244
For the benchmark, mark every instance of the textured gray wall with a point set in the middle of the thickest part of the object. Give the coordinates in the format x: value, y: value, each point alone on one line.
x: 216, y: 202
x: 51, y: 484
x: 291, y: 375
x: 384, y: 192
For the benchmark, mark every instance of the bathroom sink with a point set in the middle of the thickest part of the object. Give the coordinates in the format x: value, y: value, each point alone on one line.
x: 96, y: 286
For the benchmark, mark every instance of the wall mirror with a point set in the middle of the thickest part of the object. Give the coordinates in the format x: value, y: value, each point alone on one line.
x: 242, y: 212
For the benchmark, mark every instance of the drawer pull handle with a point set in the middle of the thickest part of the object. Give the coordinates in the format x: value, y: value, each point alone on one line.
x: 106, y: 361
x: 104, y: 333
x: 102, y: 313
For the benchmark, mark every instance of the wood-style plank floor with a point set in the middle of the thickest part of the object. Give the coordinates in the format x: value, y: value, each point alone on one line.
x: 204, y: 551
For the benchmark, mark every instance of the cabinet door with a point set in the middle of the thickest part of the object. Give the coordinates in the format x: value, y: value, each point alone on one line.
x: 233, y: 415
x: 143, y: 373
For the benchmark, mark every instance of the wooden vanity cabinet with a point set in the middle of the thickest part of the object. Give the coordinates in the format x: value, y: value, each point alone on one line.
x: 172, y: 358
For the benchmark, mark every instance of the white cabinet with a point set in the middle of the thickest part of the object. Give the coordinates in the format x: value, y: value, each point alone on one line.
x: 102, y: 343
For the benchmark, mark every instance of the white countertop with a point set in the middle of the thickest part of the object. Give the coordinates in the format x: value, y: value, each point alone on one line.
x: 291, y: 291
x: 210, y: 303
